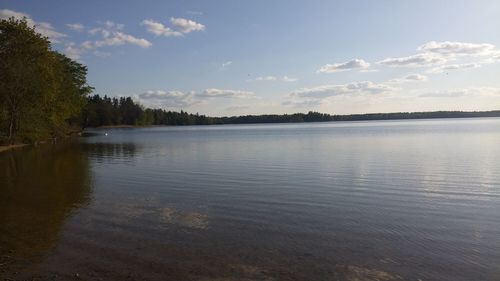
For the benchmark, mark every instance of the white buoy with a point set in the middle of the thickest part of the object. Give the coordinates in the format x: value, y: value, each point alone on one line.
x: 105, y: 134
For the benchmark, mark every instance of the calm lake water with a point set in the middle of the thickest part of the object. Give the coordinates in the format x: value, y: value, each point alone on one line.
x: 389, y: 200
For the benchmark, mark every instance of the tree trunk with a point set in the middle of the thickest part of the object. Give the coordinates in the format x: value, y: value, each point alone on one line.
x: 11, y: 129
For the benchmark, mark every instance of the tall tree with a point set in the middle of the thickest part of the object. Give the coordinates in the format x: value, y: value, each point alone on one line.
x: 40, y: 89
x: 23, y: 69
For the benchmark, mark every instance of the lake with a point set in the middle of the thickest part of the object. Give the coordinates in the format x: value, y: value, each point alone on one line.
x: 376, y: 200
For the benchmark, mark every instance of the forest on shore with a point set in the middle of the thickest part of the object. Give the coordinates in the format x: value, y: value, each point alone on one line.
x: 107, y: 111
x: 45, y: 95
x: 42, y: 92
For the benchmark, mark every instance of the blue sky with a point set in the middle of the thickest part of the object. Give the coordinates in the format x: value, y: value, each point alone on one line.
x: 254, y: 57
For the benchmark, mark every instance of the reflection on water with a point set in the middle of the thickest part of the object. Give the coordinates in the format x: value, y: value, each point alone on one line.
x: 106, y: 152
x: 387, y: 201
x: 39, y: 189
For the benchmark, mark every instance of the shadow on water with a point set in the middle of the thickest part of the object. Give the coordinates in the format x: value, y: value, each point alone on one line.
x: 39, y: 189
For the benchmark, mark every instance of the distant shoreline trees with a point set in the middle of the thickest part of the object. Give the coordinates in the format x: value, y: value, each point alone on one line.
x: 42, y: 91
x: 107, y: 111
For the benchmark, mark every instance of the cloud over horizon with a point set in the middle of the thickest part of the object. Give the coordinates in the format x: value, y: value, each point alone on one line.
x: 161, y: 98
x: 440, y: 54
x: 274, y: 78
x: 410, y: 78
x: 76, y: 27
x: 225, y: 93
x: 317, y: 95
x: 45, y: 28
x: 466, y: 92
x: 110, y: 34
x: 445, y: 68
x: 179, y: 99
x: 180, y: 26
x: 448, y: 48
x: 417, y: 60
x: 348, y: 65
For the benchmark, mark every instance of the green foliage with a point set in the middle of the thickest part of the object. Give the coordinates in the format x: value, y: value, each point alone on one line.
x: 42, y: 92
x: 106, y: 111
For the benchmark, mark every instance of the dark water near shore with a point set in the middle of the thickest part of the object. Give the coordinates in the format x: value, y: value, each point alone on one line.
x: 389, y: 200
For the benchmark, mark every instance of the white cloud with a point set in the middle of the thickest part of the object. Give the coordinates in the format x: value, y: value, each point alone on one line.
x: 438, y: 53
x: 6, y: 13
x: 186, y: 26
x: 226, y: 64
x: 118, y: 38
x: 275, y: 78
x: 179, y: 99
x: 448, y: 48
x: 73, y: 51
x: 416, y: 77
x: 157, y: 28
x: 221, y: 93
x: 495, y: 57
x: 112, y: 25
x: 467, y: 92
x: 180, y: 26
x: 87, y: 45
x: 160, y: 98
x: 327, y: 91
x: 425, y: 59
x: 289, y: 79
x: 111, y: 34
x: 104, y: 32
x: 266, y: 78
x: 444, y: 94
x: 237, y: 107
x: 44, y: 28
x: 352, y: 64
x: 445, y: 68
x: 76, y: 27
x: 410, y: 78
x: 307, y: 103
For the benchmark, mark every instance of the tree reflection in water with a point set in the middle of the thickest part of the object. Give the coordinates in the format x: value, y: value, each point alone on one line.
x: 39, y: 188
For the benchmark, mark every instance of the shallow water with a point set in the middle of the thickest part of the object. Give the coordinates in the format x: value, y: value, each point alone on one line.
x: 388, y: 200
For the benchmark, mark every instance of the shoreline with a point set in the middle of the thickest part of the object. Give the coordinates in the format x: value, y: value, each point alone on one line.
x: 284, y: 122
x: 125, y: 126
x: 4, y: 148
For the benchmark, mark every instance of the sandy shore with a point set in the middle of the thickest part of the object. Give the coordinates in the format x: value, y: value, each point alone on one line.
x: 9, y: 147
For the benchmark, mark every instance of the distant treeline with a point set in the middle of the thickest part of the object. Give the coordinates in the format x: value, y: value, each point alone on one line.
x: 106, y: 111
x: 323, y: 117
x: 416, y: 115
